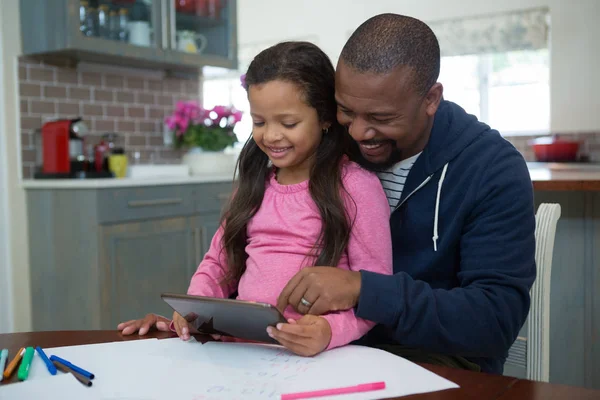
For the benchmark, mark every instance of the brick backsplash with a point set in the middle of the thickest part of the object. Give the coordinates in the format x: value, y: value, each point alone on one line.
x: 132, y: 107
x: 589, y: 150
x: 135, y: 108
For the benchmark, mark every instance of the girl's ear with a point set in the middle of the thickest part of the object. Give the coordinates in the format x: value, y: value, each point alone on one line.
x: 325, y: 126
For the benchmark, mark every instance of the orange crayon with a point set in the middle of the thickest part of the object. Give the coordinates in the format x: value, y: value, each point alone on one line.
x: 13, y: 364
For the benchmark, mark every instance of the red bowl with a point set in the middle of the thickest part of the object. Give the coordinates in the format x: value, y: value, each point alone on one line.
x: 552, y: 149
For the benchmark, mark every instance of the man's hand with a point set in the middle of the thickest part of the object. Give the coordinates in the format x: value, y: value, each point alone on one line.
x: 183, y: 327
x: 307, y: 337
x: 144, y: 325
x: 317, y: 290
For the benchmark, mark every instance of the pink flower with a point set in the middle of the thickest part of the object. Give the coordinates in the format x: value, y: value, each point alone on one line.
x: 170, y: 122
x: 243, y: 80
x: 184, y: 124
x: 237, y: 116
x: 222, y: 112
x: 190, y: 113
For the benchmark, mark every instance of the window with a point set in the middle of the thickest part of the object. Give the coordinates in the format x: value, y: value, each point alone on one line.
x: 510, y: 91
x: 497, y: 68
x: 229, y: 91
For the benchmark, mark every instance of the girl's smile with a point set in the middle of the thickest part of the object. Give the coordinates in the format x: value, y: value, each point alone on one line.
x: 278, y: 152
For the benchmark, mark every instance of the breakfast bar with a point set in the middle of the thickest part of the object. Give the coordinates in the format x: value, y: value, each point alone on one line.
x: 565, y: 177
x: 574, y: 308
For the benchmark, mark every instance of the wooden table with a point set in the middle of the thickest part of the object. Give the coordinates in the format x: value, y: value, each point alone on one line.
x: 473, y: 385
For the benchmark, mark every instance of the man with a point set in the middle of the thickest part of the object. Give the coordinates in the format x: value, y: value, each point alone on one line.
x: 463, y: 218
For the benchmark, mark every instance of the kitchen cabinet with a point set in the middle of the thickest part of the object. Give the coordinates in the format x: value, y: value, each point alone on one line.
x: 204, y: 228
x: 176, y: 35
x: 102, y: 256
x: 139, y: 259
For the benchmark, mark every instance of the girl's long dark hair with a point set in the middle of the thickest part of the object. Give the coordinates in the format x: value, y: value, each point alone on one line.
x: 305, y: 65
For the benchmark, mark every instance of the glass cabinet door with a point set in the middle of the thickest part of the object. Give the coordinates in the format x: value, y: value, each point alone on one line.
x: 202, y: 27
x: 125, y: 21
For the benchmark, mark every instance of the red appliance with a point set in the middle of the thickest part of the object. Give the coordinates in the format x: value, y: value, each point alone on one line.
x: 62, y: 146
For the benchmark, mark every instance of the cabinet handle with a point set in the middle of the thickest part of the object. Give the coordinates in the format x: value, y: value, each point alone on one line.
x: 198, y: 235
x: 155, y: 202
x: 223, y: 196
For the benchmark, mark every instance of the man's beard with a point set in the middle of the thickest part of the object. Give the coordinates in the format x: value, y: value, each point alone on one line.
x: 394, y: 158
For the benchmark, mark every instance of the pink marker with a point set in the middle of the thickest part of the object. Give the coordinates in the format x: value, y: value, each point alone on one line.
x: 365, y: 387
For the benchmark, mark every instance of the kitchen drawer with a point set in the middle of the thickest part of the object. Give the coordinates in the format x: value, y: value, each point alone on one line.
x: 212, y: 197
x: 127, y: 204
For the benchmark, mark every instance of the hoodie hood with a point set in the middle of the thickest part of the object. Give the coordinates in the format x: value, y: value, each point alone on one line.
x: 453, y: 130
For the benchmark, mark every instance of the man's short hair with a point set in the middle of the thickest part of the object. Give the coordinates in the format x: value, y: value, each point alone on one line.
x: 386, y: 41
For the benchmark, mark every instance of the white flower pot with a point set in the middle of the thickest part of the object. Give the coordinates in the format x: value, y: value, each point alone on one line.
x: 209, y: 163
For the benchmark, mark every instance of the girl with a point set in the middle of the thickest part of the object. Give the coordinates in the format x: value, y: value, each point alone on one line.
x: 300, y: 202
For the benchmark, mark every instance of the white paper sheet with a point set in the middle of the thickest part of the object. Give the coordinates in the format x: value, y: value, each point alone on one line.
x: 172, y: 368
x: 264, y: 368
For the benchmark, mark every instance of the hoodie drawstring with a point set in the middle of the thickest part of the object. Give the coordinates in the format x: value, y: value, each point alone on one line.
x: 437, y: 207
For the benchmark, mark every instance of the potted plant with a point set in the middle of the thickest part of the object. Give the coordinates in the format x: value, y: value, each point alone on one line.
x: 206, y: 133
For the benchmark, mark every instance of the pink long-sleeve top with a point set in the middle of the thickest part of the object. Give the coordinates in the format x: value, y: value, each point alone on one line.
x: 282, y: 234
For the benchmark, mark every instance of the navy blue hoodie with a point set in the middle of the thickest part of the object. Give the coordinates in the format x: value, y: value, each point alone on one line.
x: 464, y: 247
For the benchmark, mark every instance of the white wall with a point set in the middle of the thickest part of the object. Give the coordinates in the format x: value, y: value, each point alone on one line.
x: 13, y: 216
x: 575, y: 45
x: 6, y: 312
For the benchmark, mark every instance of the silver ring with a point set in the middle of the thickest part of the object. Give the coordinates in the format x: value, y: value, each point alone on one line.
x: 305, y: 302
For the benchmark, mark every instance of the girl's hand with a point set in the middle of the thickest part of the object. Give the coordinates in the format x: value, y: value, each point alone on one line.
x: 144, y: 325
x: 308, y: 336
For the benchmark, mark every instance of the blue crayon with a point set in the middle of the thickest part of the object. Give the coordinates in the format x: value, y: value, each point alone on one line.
x: 75, y: 368
x: 49, y: 365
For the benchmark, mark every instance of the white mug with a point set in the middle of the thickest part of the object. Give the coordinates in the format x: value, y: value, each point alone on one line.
x: 139, y: 33
x: 191, y: 42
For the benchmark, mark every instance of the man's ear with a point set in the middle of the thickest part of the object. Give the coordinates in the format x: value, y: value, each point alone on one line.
x: 433, y: 98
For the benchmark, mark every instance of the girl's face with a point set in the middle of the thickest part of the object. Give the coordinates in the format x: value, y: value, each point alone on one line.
x: 284, y: 126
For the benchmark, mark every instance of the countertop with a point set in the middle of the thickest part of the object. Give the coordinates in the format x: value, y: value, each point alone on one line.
x: 565, y: 177
x: 118, y: 183
x: 545, y: 176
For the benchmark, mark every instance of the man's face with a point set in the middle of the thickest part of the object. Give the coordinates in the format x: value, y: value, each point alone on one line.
x: 388, y: 118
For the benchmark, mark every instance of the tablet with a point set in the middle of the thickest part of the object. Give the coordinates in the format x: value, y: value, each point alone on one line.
x: 236, y: 318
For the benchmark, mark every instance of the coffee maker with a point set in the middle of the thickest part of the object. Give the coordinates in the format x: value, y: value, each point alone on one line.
x: 60, y: 150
